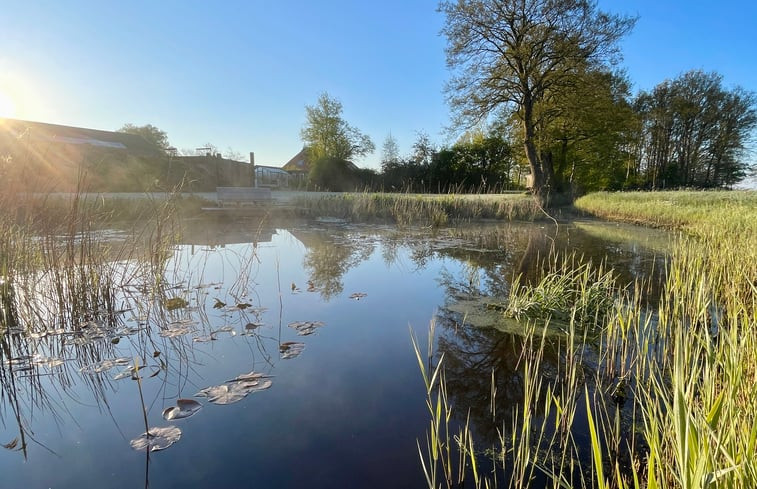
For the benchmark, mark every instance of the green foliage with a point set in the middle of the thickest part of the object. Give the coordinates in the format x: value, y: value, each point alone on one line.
x: 328, y: 135
x: 695, y: 133
x: 685, y: 368
x: 332, y: 174
x: 481, y: 161
x: 572, y: 290
x: 390, y: 153
x: 153, y: 135
x: 525, y: 57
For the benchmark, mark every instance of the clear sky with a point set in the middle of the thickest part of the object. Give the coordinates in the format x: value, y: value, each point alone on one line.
x: 239, y: 74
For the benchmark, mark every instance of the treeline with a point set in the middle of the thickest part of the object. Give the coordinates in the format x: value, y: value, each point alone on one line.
x: 690, y: 132
x: 478, y: 163
x: 693, y: 133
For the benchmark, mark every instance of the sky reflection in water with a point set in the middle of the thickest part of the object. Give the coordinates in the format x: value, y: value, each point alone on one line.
x: 346, y: 411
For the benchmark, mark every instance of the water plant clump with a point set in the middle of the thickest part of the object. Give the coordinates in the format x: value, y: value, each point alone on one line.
x: 570, y: 289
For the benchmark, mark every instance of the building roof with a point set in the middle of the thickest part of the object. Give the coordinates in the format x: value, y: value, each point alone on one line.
x: 15, y: 129
x: 298, y: 163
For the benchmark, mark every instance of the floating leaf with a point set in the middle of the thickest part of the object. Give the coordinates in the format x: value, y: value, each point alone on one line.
x: 129, y: 371
x: 305, y: 328
x: 158, y: 438
x: 236, y: 389
x: 291, y: 349
x: 225, y: 329
x: 249, y: 377
x: 176, y: 329
x: 46, y: 361
x: 175, y: 303
x: 204, y: 339
x: 358, y: 295
x: 103, y: 365
x: 184, y: 408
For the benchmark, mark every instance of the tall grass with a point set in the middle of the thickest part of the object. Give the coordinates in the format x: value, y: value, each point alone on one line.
x: 668, y: 395
x: 421, y: 209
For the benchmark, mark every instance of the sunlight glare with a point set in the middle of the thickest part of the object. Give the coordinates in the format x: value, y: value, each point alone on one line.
x: 7, y: 106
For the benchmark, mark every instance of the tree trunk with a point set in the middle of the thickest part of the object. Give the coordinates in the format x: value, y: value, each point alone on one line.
x: 539, y: 178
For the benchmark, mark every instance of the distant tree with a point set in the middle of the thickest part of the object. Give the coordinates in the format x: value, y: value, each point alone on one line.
x: 231, y: 154
x: 423, y: 149
x: 695, y: 133
x: 207, y: 149
x: 328, y: 135
x: 333, y: 174
x: 150, y: 133
x: 521, y: 55
x: 390, y: 152
x: 480, y: 161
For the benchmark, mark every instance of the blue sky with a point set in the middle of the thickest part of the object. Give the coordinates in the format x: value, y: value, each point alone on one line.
x: 239, y: 74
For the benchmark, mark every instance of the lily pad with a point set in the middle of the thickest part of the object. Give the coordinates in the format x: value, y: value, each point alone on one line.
x: 205, y: 338
x: 237, y: 389
x: 184, y: 408
x: 225, y: 329
x: 157, y: 438
x: 305, y: 328
x: 103, y: 365
x: 291, y: 349
x: 177, y: 328
x: 175, y: 303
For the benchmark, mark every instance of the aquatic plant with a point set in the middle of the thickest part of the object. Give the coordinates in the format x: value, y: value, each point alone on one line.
x: 667, y: 394
x: 419, y: 209
x: 572, y: 289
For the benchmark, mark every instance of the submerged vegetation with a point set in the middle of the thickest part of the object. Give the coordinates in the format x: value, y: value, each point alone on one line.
x: 664, y: 396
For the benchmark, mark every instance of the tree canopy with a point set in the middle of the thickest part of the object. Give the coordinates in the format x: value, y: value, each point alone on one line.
x: 523, y: 56
x: 694, y: 133
x: 150, y: 133
x: 328, y: 135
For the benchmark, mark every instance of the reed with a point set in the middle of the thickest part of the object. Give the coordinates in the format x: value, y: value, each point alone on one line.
x: 667, y: 393
x: 421, y: 209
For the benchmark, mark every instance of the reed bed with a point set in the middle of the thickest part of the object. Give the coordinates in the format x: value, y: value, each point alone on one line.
x: 421, y: 209
x: 662, y: 397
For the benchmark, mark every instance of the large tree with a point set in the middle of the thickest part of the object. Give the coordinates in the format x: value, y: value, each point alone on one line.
x: 523, y: 56
x: 328, y: 135
x: 150, y: 133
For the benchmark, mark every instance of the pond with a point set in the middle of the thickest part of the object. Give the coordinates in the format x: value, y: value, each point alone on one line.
x: 293, y: 342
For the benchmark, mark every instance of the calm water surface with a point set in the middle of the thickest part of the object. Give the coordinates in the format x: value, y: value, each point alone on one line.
x: 345, y: 412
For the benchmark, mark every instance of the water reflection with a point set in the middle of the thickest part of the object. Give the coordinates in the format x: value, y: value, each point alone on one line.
x: 218, y: 304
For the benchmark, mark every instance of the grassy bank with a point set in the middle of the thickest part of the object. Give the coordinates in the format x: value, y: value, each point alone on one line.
x: 661, y: 398
x: 686, y: 210
x: 423, y: 209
